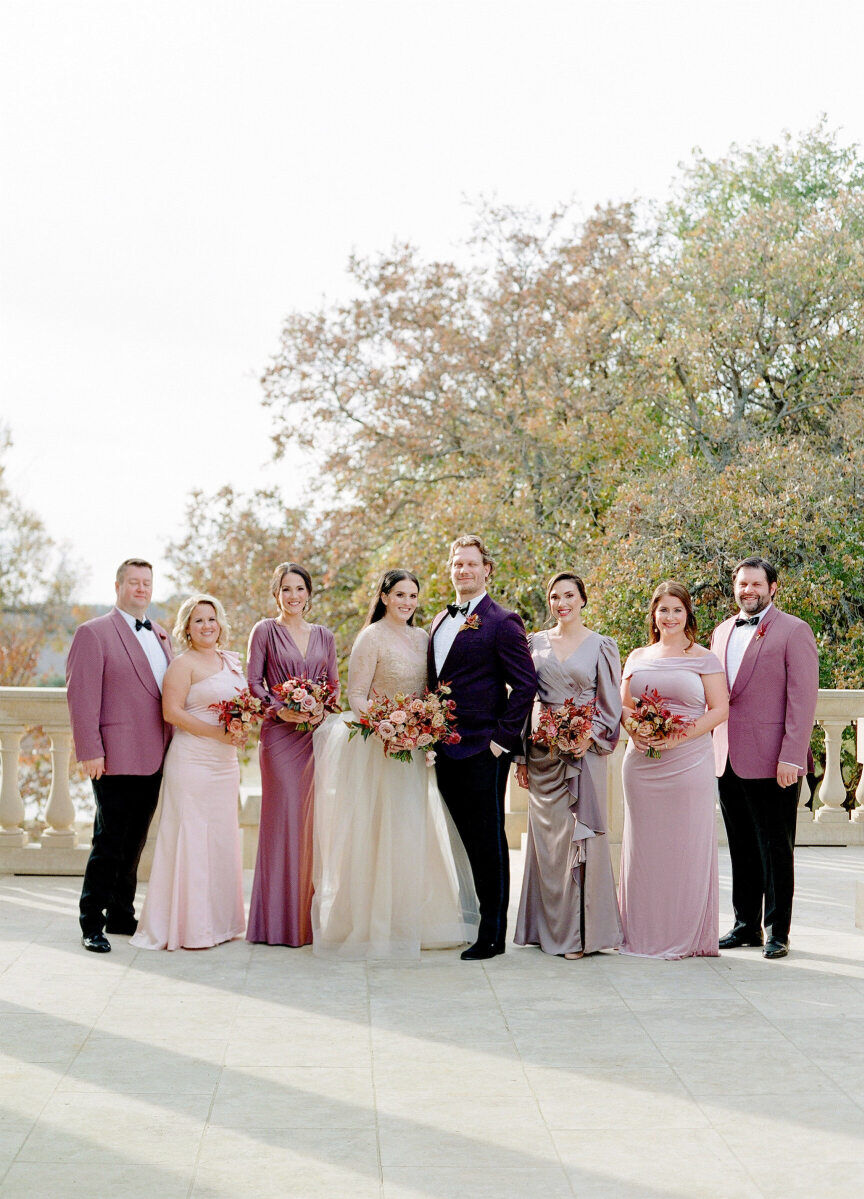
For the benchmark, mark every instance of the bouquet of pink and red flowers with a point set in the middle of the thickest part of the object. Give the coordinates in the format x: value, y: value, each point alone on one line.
x: 654, y: 718
x: 408, y: 722
x: 315, y: 698
x: 560, y: 730
x: 240, y: 714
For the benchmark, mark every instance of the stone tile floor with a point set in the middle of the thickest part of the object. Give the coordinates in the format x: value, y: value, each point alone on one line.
x: 262, y: 1072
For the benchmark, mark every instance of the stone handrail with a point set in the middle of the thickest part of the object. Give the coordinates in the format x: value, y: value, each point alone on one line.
x: 57, y: 849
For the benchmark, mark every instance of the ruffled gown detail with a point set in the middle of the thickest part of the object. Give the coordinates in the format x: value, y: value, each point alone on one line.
x: 669, y: 891
x: 568, y: 902
x: 195, y: 895
x: 390, y: 872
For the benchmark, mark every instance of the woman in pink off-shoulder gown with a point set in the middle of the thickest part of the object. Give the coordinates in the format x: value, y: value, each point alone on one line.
x: 289, y: 646
x: 668, y: 890
x: 195, y: 895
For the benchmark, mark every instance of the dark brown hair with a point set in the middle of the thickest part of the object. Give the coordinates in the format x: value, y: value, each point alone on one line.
x: 385, y: 585
x: 679, y: 591
x: 559, y: 578
x: 756, y: 564
x: 289, y: 568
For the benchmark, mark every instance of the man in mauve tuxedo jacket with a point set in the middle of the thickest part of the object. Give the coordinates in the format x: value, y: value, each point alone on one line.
x: 761, y: 754
x: 114, y: 678
x: 480, y: 650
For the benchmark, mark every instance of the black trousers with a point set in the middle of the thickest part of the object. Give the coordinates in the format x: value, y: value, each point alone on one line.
x: 760, y: 818
x: 125, y: 804
x: 473, y: 790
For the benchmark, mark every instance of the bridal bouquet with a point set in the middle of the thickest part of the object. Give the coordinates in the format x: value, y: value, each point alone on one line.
x: 561, y: 729
x: 313, y: 698
x: 408, y: 722
x: 654, y: 718
x: 240, y: 714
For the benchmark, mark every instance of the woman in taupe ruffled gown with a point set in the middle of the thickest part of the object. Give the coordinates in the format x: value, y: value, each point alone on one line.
x: 568, y: 903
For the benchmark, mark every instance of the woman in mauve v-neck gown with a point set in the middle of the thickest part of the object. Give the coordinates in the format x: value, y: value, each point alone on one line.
x: 279, y: 913
x: 568, y: 904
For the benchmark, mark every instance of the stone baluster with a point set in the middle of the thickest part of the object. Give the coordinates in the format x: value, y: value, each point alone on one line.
x: 12, y: 835
x: 60, y: 813
x: 832, y: 790
x: 805, y: 815
x: 858, y: 813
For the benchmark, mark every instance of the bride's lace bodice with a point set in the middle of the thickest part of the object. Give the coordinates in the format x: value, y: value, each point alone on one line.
x: 386, y: 660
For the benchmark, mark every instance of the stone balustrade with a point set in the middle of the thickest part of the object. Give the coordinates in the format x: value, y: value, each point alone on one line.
x: 61, y: 847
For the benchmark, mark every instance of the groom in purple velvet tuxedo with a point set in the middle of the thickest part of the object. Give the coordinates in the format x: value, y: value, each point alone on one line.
x: 480, y: 650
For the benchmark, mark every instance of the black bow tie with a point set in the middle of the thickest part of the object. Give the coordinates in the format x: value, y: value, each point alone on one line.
x: 454, y: 608
x: 753, y: 620
x: 142, y: 624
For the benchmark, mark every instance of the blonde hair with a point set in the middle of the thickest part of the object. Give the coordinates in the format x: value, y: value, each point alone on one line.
x: 180, y: 632
x: 468, y: 539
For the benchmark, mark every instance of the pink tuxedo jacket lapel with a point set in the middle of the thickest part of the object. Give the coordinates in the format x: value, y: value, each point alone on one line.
x: 751, y: 654
x: 136, y: 654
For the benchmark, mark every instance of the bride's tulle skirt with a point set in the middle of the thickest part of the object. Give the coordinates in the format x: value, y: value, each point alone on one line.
x: 390, y: 873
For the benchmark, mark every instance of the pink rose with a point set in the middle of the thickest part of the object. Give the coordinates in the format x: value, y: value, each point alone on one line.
x: 235, y: 726
x: 307, y: 703
x: 430, y: 757
x: 386, y: 730
x: 398, y: 717
x: 298, y: 694
x: 424, y: 739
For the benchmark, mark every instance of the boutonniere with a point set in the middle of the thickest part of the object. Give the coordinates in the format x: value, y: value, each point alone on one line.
x: 760, y: 632
x: 471, y: 622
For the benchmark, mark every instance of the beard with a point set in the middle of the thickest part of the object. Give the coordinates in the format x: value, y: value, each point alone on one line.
x: 754, y: 604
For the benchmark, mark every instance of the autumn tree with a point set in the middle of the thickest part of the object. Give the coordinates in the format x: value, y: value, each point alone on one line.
x: 36, y: 581
x: 654, y: 391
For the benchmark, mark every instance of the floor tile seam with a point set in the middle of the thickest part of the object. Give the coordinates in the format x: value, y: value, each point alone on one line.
x: 569, y: 1182
x: 60, y: 1076
x: 699, y: 1104
x: 372, y: 1079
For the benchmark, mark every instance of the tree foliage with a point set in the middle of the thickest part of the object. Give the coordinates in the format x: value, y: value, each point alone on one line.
x: 652, y: 392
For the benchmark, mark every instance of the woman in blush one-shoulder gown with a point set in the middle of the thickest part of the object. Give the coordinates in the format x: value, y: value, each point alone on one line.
x: 391, y: 873
x: 568, y: 904
x: 287, y: 647
x: 195, y: 894
x: 668, y: 889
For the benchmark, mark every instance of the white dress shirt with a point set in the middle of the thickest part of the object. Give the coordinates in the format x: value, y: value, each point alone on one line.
x: 152, y: 647
x: 739, y: 639
x: 447, y: 631
x: 442, y: 643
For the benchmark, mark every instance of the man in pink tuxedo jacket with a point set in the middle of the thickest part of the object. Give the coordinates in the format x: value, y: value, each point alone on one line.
x: 114, y: 689
x: 772, y: 667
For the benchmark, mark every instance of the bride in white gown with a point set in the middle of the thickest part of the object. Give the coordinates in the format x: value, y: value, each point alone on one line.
x: 390, y: 873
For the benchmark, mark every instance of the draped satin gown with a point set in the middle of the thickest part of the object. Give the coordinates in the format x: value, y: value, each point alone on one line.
x: 669, y: 891
x: 281, y: 904
x: 195, y: 894
x: 568, y: 902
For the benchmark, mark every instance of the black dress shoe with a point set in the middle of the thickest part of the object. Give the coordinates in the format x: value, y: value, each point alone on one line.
x: 482, y: 949
x: 738, y: 937
x: 122, y: 928
x: 775, y: 949
x: 96, y: 943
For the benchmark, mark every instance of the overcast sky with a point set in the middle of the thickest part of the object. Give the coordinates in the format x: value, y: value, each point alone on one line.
x: 177, y: 177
